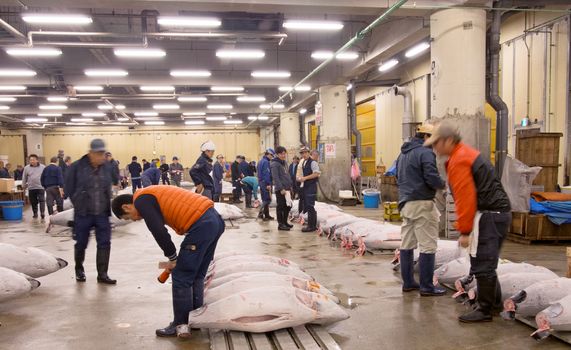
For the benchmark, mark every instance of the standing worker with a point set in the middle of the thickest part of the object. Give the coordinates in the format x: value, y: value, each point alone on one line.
x: 293, y: 175
x: 52, y: 181
x: 265, y: 182
x: 218, y: 171
x: 245, y: 169
x: 18, y: 172
x: 191, y: 215
x: 176, y: 169
x: 282, y: 185
x: 135, y: 171
x: 61, y: 161
x: 32, y: 181
x: 89, y: 186
x: 200, y: 172
x: 146, y: 165
x: 164, y: 167
x: 484, y: 214
x: 236, y: 177
x: 115, y: 173
x: 305, y: 155
x: 4, y: 173
x: 311, y: 173
x: 418, y: 181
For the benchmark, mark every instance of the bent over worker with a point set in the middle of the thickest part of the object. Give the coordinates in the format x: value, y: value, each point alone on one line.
x: 189, y: 214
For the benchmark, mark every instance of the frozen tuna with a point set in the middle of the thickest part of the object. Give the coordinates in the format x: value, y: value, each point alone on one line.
x: 31, y: 261
x: 556, y: 317
x: 228, y: 211
x: 15, y: 284
x: 531, y: 300
x: 452, y: 271
x: 260, y: 266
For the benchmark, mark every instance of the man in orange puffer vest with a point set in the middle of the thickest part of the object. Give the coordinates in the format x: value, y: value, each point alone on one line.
x: 188, y: 214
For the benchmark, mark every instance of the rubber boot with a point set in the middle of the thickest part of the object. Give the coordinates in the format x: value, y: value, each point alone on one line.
x: 407, y: 270
x: 79, y: 257
x: 486, y: 299
x: 286, y: 216
x: 498, y: 302
x: 182, y: 305
x: 267, y: 213
x: 426, y: 268
x: 102, y: 262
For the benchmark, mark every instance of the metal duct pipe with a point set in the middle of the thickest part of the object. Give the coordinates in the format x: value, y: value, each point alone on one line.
x: 302, y: 137
x: 353, y: 121
x: 408, y: 117
x: 13, y: 31
x: 493, y: 96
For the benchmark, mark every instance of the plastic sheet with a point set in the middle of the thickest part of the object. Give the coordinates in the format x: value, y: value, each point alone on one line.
x: 516, y: 179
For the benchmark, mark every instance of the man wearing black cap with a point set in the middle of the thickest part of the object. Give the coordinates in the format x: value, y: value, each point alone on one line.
x: 88, y: 185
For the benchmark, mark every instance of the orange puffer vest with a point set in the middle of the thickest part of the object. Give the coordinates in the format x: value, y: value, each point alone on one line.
x: 180, y: 208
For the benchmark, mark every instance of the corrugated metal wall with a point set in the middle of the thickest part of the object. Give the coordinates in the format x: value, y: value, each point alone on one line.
x: 366, y: 124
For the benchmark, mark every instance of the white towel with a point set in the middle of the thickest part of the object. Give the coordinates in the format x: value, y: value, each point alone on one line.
x: 473, y: 247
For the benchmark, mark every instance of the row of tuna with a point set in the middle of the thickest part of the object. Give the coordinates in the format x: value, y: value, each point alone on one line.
x: 262, y: 293
x: 19, y: 268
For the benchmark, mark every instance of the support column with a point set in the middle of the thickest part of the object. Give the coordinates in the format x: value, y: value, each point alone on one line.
x: 458, y: 77
x: 289, y: 133
x: 35, y: 143
x: 335, y: 130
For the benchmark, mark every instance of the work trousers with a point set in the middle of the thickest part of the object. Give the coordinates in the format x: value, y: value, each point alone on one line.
x: 136, y: 183
x: 53, y: 195
x: 282, y: 210
x: 165, y: 178
x: 300, y: 206
x: 237, y: 189
x: 420, y: 226
x: 492, y: 232
x: 309, y: 197
x: 176, y: 180
x: 37, y: 196
x: 82, y: 228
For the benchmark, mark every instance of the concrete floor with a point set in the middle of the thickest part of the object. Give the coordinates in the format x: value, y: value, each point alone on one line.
x: 64, y: 315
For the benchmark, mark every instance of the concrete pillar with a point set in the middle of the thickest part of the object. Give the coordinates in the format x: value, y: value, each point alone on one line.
x: 334, y: 130
x: 458, y: 64
x: 289, y: 133
x: 266, y: 139
x: 35, y: 143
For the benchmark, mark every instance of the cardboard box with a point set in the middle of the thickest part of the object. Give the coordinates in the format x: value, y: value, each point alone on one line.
x: 6, y: 185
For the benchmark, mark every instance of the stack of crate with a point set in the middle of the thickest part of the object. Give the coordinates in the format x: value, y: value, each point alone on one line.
x: 391, y: 211
x: 450, y: 216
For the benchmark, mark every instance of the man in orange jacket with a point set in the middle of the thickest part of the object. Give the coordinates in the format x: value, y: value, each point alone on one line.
x: 188, y: 214
x: 483, y: 211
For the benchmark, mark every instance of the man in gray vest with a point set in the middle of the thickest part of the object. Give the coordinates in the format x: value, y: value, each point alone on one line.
x: 310, y: 176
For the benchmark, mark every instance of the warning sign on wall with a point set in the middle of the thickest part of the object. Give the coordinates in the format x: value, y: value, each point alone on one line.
x: 330, y: 150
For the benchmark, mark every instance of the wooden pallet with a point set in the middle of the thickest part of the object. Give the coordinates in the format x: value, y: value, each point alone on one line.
x: 309, y: 337
x: 514, y: 237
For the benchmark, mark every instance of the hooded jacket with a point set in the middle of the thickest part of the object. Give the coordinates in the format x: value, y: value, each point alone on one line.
x: 280, y: 176
x: 264, y: 172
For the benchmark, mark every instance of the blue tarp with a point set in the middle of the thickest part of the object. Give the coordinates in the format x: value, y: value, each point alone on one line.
x: 557, y: 212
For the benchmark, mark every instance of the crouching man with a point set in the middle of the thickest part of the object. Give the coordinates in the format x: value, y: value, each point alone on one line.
x: 188, y: 214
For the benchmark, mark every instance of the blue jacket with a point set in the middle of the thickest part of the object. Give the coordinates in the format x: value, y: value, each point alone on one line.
x: 245, y: 169
x: 152, y: 175
x: 217, y: 174
x: 264, y: 171
x: 52, y: 176
x: 135, y: 170
x: 417, y: 175
x: 200, y: 172
x: 4, y: 174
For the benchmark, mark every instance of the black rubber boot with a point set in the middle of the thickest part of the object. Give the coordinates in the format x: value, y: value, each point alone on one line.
x: 267, y: 213
x: 407, y: 270
x: 102, y: 262
x: 486, y: 299
x: 182, y: 305
x: 286, y: 216
x: 79, y: 257
x: 426, y: 268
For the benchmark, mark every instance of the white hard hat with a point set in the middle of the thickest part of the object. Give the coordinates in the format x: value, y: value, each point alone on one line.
x: 208, y: 146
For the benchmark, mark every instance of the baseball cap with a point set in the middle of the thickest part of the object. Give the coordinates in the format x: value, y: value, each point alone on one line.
x: 425, y: 129
x: 97, y: 145
x: 443, y: 131
x: 271, y: 151
x: 303, y: 149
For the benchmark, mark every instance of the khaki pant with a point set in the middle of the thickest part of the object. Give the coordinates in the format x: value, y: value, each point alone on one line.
x: 420, y: 226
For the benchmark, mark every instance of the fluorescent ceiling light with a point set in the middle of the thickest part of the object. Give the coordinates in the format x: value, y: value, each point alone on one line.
x: 192, y: 99
x: 17, y: 73
x: 271, y: 74
x: 415, y: 50
x: 226, y: 88
x: 140, y: 53
x: 263, y: 117
x: 322, y: 55
x: 303, y: 111
x: 106, y: 73
x: 157, y: 88
x: 146, y: 114
x: 215, y: 119
x: 299, y: 88
x: 183, y: 73
x: 123, y: 119
x: 240, y: 54
x: 49, y: 114
x: 33, y: 51
x: 270, y: 106
x: 344, y: 56
x: 93, y: 114
x: 7, y: 99
x: 220, y: 106
x: 388, y: 65
x: 166, y: 106
x: 52, y: 107
x: 107, y: 107
x: 147, y: 118
x: 57, y: 98
x: 252, y: 117
x: 81, y: 120
x: 155, y: 122
x: 63, y: 19
x: 12, y: 88
x: 90, y: 88
x: 4, y: 108
x: 233, y: 121
x: 36, y: 120
x: 189, y: 22
x: 194, y: 122
x: 250, y: 99
x: 347, y: 56
x: 313, y: 25
x: 198, y: 114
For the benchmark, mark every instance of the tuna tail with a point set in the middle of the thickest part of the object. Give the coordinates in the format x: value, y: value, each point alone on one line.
x: 519, y: 297
x: 62, y: 263
x: 34, y: 283
x: 508, y: 315
x: 541, y: 334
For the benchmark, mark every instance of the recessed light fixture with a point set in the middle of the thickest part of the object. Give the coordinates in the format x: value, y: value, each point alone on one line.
x: 17, y: 73
x: 250, y: 99
x: 157, y: 88
x: 4, y: 108
x: 185, y: 73
x: 192, y: 99
x: 140, y: 53
x: 215, y: 119
x: 81, y: 120
x: 298, y: 88
x: 388, y: 65
x: 7, y: 99
x: 57, y: 98
x: 240, y: 54
x: 220, y: 106
x: 93, y: 114
x: 52, y: 107
x: 194, y: 122
x: 189, y: 22
x: 302, y: 111
x: 36, y: 120
x: 227, y: 88
x: 313, y: 25
x: 61, y: 19
x: 88, y: 88
x: 146, y: 114
x: 233, y: 121
x: 106, y: 73
x: 49, y: 114
x: 166, y: 106
x: 107, y: 107
x: 271, y: 74
x: 33, y: 51
x: 272, y: 106
x: 155, y: 122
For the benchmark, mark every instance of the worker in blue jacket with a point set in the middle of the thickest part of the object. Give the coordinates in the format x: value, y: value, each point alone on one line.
x: 151, y: 176
x: 218, y: 171
x: 200, y: 172
x: 265, y: 183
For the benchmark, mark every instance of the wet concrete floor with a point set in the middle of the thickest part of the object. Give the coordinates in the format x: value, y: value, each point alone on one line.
x: 62, y: 314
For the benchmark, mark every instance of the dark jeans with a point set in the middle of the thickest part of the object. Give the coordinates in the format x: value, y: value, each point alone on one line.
x: 309, y: 197
x: 37, y: 197
x: 207, y: 192
x: 53, y: 195
x: 237, y: 189
x: 248, y: 193
x: 165, y: 178
x: 82, y: 228
x: 300, y: 205
x: 195, y: 254
x: 493, y: 230
x: 136, y: 183
x: 282, y: 210
x: 176, y: 180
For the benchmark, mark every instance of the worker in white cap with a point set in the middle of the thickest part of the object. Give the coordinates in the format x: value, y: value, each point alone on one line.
x: 200, y: 172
